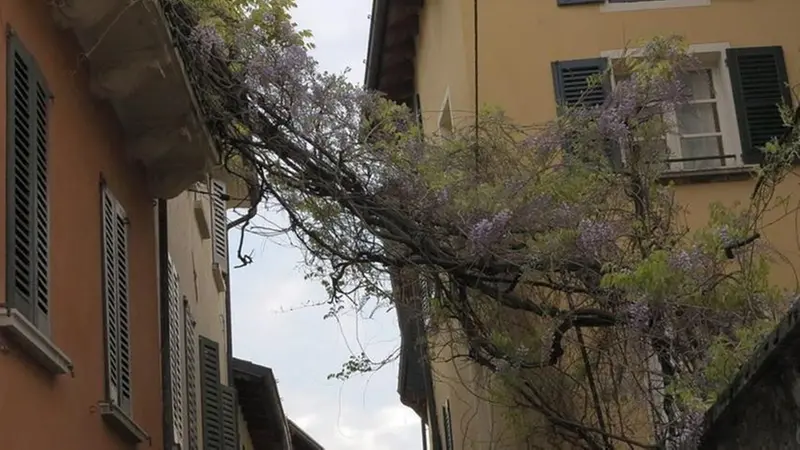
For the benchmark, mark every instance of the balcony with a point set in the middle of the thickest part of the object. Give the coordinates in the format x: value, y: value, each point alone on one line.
x: 136, y: 68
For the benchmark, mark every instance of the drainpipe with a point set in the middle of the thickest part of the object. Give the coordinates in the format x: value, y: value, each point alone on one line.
x: 228, y: 331
x: 163, y: 283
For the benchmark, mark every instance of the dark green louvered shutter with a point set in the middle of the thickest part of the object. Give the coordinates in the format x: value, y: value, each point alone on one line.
x: 176, y: 356
x: 572, y: 82
x: 448, y: 426
x: 210, y: 395
x: 230, y: 429
x: 28, y: 217
x: 759, y: 82
x: 190, y: 348
x: 116, y: 302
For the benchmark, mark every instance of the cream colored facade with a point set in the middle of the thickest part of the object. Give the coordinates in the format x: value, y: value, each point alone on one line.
x: 197, y: 242
x: 517, y: 43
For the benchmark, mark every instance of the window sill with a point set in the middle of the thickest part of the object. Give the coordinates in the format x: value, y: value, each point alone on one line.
x: 35, y: 343
x: 648, y: 5
x: 122, y: 423
x: 710, y: 175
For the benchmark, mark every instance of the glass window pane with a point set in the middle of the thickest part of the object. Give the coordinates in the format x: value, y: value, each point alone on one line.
x: 698, y: 118
x: 700, y: 84
x: 702, y: 147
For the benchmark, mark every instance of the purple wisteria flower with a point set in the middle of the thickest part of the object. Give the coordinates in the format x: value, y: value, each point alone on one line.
x: 595, y: 237
x: 488, y: 231
x: 207, y: 42
x: 638, y: 315
x: 689, y: 432
x: 694, y: 260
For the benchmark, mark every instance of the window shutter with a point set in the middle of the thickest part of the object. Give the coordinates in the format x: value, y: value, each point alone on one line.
x: 28, y: 216
x: 759, y: 82
x: 117, y: 305
x: 571, y: 81
x: 190, y: 348
x: 230, y: 422
x: 176, y: 356
x: 219, y: 224
x: 448, y: 426
x: 210, y: 395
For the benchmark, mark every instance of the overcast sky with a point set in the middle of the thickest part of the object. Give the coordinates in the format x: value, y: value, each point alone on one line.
x: 364, y: 413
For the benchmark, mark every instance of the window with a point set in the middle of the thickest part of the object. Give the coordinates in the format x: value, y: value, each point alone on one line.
x: 177, y: 366
x: 117, y: 303
x: 219, y: 408
x: 219, y: 232
x: 27, y: 201
x: 190, y: 348
x: 447, y: 420
x: 25, y: 313
x: 733, y: 112
x: 117, y: 409
x: 704, y: 131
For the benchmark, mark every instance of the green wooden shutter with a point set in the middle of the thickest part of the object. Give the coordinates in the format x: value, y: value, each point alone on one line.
x: 176, y: 356
x: 448, y: 426
x: 219, y: 224
x: 210, y: 395
x: 760, y: 85
x: 190, y: 348
x: 230, y: 428
x: 116, y: 302
x: 571, y: 82
x: 28, y: 219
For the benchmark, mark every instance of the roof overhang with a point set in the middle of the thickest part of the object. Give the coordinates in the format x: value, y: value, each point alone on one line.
x: 392, y: 48
x: 261, y: 406
x: 302, y: 440
x: 135, y: 66
x: 777, y: 348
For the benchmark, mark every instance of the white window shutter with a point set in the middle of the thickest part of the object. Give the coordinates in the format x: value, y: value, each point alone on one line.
x: 117, y: 302
x: 219, y: 232
x: 190, y: 349
x: 176, y: 355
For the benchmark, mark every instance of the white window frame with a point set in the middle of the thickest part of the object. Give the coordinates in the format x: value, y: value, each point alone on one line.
x: 643, y: 5
x: 713, y: 57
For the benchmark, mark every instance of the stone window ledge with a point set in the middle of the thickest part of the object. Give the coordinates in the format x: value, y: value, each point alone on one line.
x: 122, y: 423
x: 35, y: 343
x: 650, y: 5
x: 733, y: 173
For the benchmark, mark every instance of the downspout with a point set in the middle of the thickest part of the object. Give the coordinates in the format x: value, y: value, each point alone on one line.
x: 163, y: 283
x: 228, y: 331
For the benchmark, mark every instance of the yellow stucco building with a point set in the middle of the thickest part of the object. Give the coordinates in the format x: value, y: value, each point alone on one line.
x: 448, y: 58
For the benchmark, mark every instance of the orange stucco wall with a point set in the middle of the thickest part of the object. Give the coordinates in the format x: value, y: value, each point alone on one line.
x: 42, y: 412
